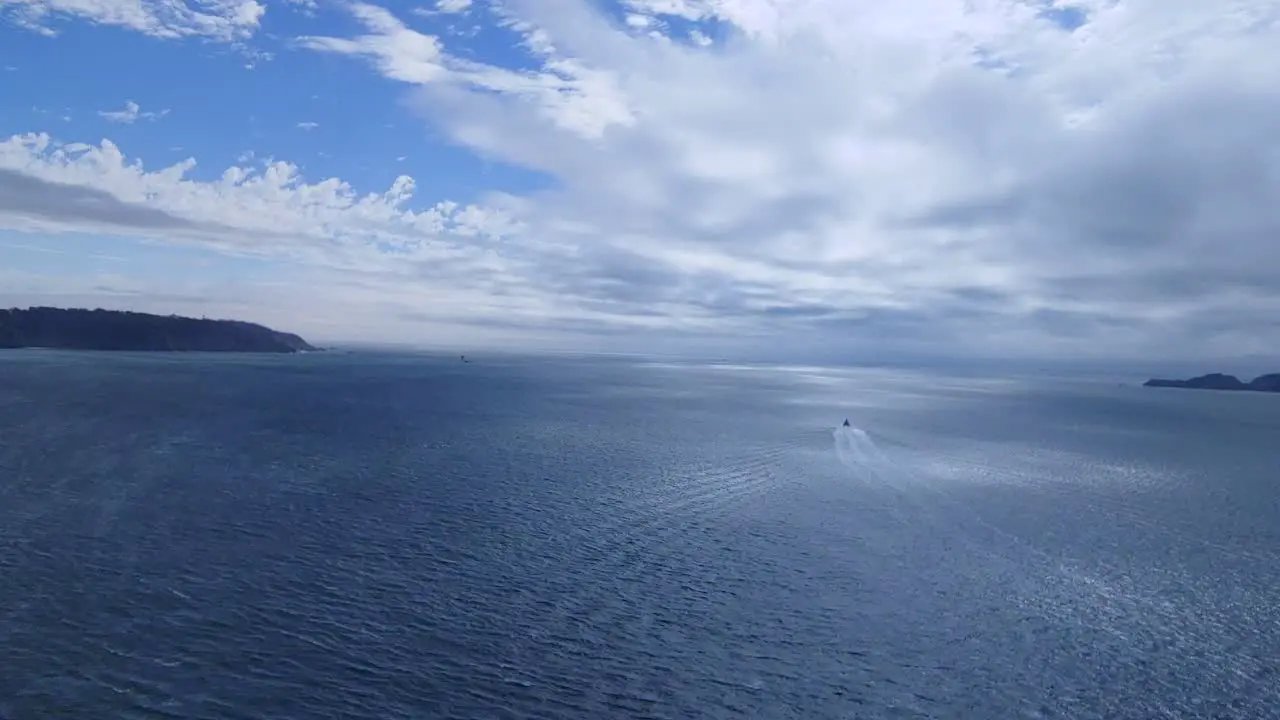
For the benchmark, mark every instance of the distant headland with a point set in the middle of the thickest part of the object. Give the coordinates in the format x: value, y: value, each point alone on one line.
x: 1219, y: 381
x: 78, y: 329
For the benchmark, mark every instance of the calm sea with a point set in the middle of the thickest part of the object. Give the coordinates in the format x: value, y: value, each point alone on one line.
x: 380, y: 536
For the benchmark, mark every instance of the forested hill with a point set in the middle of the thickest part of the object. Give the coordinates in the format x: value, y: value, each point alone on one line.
x: 1220, y: 381
x: 77, y: 329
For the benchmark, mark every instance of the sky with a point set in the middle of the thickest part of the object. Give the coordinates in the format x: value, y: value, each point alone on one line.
x: 810, y: 178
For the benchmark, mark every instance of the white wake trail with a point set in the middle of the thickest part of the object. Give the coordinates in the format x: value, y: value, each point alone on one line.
x: 859, y: 453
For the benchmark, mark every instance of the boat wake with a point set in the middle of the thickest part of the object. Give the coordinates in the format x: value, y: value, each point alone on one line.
x: 859, y: 453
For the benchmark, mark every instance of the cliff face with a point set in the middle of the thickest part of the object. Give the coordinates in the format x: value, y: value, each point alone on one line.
x: 1219, y: 381
x: 116, y: 330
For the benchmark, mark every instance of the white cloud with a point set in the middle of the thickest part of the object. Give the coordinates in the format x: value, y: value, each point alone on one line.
x: 848, y: 174
x: 571, y: 94
x: 308, y: 125
x: 131, y: 113
x: 926, y: 172
x: 262, y: 211
x: 443, y: 7
x: 453, y: 6
x: 398, y: 52
x: 447, y: 262
x: 226, y: 20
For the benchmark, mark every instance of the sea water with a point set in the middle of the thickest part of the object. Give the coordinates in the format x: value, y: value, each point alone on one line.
x: 345, y: 535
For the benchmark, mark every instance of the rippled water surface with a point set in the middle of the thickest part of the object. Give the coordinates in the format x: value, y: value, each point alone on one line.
x: 362, y: 536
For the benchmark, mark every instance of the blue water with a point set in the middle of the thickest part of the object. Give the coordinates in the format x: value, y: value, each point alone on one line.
x: 379, y: 536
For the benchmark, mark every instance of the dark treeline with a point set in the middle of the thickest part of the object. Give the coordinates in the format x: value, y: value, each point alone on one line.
x: 1219, y: 381
x: 79, y: 329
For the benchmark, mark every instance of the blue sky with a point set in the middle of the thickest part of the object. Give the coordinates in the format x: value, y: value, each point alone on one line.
x: 221, y: 103
x: 1014, y: 178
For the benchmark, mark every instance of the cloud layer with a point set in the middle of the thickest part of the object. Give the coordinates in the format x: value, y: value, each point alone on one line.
x: 225, y: 20
x: 984, y: 177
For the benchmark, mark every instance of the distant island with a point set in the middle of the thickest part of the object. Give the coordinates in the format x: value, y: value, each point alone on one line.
x: 1220, y: 381
x: 78, y: 329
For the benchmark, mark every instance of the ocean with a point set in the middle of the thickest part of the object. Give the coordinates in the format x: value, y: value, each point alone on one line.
x: 362, y: 535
